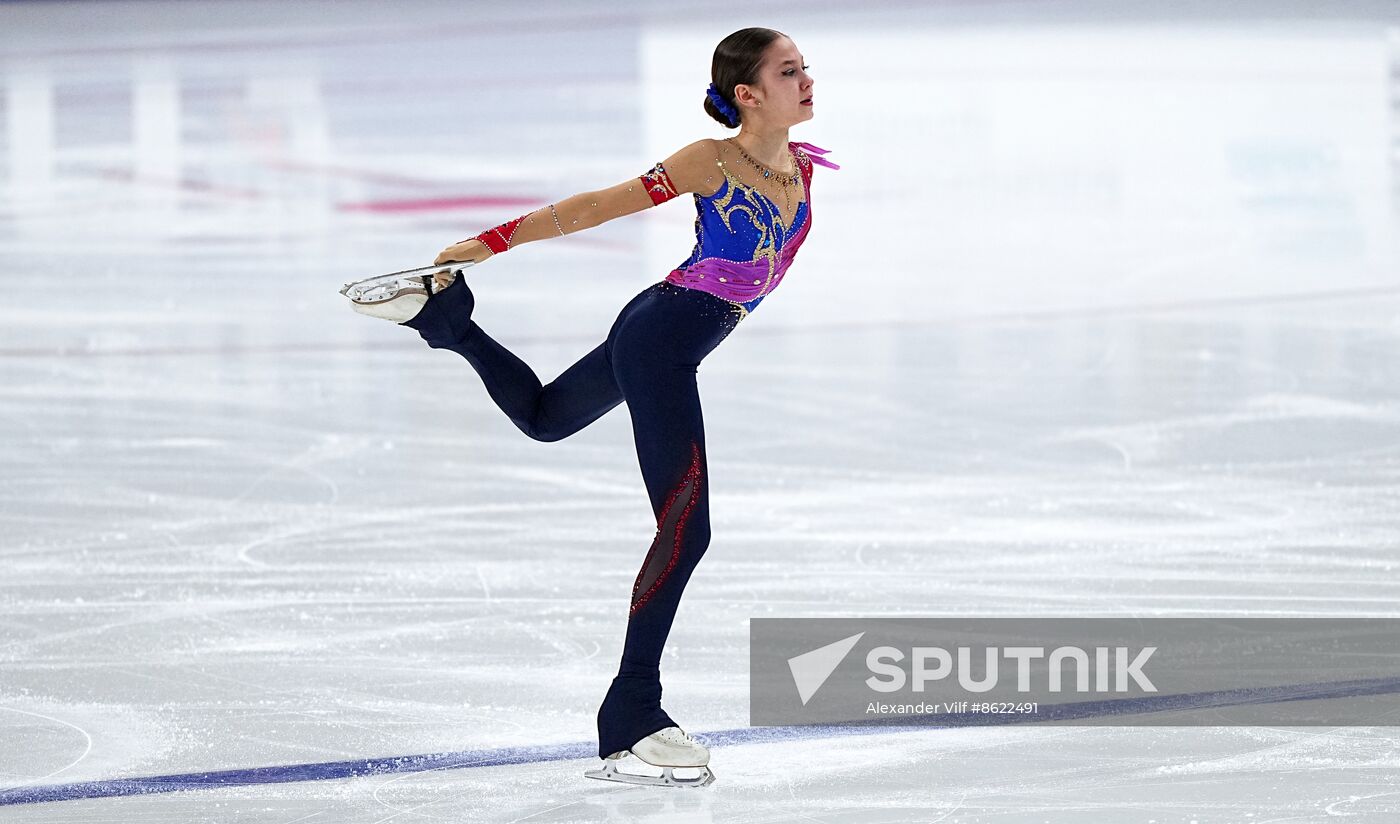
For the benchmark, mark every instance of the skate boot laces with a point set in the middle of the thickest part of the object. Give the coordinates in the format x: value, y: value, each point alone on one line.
x: 678, y: 736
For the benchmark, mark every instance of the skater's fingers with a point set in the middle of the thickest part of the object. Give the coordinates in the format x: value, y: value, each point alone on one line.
x: 454, y: 254
x: 468, y: 250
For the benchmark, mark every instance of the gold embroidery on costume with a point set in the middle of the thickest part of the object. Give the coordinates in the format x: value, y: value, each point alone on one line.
x: 766, y: 249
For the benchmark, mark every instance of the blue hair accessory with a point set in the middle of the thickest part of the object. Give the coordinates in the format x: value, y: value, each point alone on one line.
x: 730, y: 113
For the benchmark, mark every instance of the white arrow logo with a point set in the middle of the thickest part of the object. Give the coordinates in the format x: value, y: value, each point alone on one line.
x: 811, y: 669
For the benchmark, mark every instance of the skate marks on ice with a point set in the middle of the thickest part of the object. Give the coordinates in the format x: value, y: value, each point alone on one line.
x: 60, y: 728
x: 33, y: 793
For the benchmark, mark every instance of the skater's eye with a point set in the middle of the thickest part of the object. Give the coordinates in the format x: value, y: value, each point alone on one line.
x: 791, y: 72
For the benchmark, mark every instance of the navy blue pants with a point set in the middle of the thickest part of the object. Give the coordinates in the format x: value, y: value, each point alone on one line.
x: 649, y: 360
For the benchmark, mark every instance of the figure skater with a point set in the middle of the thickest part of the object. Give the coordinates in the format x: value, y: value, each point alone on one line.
x: 753, y: 212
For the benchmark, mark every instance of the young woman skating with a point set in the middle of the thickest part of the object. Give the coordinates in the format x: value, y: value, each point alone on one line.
x: 753, y: 211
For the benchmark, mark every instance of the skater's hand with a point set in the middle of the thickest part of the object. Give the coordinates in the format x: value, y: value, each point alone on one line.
x: 473, y: 250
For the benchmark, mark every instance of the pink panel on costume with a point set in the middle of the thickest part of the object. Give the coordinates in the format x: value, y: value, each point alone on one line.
x: 738, y: 284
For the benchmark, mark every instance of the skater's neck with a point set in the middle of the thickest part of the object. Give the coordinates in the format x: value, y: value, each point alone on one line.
x: 767, y: 146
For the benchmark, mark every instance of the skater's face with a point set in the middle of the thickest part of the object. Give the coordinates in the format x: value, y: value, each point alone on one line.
x: 783, y: 84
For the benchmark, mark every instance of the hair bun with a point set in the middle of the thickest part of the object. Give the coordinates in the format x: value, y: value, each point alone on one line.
x: 730, y: 113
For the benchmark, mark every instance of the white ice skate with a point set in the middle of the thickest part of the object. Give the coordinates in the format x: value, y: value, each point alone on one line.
x: 397, y: 296
x: 666, y: 749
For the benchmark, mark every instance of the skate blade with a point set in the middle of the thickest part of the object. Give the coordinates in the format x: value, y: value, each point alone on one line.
x: 359, y: 290
x: 385, y: 291
x: 610, y: 772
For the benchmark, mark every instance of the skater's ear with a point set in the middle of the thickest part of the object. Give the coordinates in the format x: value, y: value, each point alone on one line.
x: 695, y: 168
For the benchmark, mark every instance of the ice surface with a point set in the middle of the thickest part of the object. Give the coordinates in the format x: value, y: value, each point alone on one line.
x: 1099, y: 317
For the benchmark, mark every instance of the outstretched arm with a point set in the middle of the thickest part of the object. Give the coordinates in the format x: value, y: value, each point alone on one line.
x: 688, y: 170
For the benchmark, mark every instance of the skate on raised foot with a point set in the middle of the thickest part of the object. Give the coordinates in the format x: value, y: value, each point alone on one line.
x: 397, y: 296
x: 668, y: 749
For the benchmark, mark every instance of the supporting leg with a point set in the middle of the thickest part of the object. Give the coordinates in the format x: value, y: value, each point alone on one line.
x: 669, y: 434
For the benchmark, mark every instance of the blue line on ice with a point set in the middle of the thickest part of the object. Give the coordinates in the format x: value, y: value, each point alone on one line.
x: 500, y: 756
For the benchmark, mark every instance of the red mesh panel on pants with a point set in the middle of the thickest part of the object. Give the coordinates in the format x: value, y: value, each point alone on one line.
x: 670, y: 529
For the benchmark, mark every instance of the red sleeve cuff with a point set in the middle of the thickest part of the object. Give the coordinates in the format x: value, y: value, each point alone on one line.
x: 498, y: 238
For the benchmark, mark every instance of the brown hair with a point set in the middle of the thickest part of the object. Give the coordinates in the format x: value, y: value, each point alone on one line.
x: 736, y: 61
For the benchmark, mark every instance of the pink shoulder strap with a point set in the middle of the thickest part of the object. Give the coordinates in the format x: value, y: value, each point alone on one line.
x: 814, y: 151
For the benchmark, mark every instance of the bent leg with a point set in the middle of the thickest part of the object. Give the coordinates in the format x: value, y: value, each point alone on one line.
x: 581, y: 394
